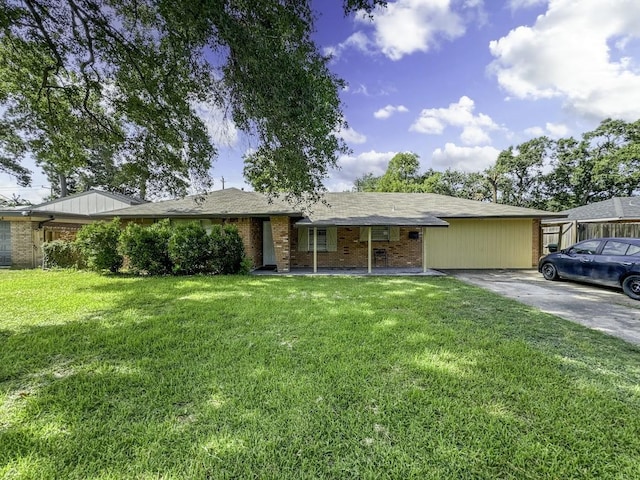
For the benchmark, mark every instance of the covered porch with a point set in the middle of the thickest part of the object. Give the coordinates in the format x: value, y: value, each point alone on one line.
x: 389, y: 245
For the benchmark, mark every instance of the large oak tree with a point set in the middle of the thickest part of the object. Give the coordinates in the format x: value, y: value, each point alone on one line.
x: 107, y: 91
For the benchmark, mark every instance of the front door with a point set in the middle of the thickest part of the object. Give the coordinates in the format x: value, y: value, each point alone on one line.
x: 268, y: 250
x: 5, y: 244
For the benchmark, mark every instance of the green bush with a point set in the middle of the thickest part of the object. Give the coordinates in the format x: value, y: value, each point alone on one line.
x: 227, y: 250
x: 147, y: 248
x: 189, y: 249
x: 98, y: 243
x: 62, y: 254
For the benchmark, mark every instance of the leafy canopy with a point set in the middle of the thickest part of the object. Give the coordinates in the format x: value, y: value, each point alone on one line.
x: 105, y: 93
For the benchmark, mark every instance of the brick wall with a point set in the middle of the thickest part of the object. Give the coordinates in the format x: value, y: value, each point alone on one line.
x: 536, y: 242
x: 23, y: 253
x: 250, y: 230
x: 281, y: 229
x: 352, y: 253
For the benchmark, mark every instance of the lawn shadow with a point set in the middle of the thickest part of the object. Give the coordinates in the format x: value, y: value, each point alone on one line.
x: 209, y: 377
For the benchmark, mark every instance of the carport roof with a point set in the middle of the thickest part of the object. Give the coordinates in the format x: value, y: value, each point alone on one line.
x: 345, y: 208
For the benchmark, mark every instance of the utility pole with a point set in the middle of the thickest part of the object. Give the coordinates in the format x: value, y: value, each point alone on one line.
x: 223, y: 183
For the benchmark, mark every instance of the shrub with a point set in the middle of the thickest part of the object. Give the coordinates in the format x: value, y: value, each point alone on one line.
x: 62, y: 254
x: 227, y: 250
x: 189, y: 249
x: 98, y: 243
x: 147, y: 248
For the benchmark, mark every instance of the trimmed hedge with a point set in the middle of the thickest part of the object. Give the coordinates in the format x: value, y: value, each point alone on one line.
x: 146, y: 248
x: 227, y: 249
x: 98, y: 243
x: 160, y: 249
x: 62, y: 254
x: 189, y: 249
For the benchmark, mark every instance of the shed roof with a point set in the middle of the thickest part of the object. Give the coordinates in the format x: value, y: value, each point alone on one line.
x: 613, y: 209
x: 345, y: 208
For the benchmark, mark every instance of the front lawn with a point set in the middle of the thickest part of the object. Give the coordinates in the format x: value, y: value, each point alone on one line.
x: 299, y: 377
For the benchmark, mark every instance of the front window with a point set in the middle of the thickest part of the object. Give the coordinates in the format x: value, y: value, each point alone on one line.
x: 380, y: 234
x: 322, y: 239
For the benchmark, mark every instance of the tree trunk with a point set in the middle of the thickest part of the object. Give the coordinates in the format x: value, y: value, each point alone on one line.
x: 64, y: 191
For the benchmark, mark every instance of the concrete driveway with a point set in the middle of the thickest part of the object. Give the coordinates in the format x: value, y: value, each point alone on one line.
x: 600, y: 308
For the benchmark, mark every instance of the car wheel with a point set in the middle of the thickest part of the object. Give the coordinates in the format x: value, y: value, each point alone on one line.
x: 631, y: 286
x: 549, y: 271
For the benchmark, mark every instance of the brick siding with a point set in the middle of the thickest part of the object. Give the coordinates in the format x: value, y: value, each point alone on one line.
x: 536, y: 242
x: 250, y: 230
x: 23, y: 249
x: 281, y: 230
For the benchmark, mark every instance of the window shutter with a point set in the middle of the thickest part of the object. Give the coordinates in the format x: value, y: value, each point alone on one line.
x: 394, y: 234
x: 332, y: 239
x: 364, y: 234
x: 303, y: 239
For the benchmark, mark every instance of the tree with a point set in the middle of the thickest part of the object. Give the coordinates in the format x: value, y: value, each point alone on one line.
x: 366, y: 183
x: 605, y: 163
x: 80, y: 75
x: 454, y: 183
x: 521, y: 172
x: 401, y: 175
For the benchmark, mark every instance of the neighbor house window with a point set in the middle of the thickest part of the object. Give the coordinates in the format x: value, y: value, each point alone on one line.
x: 322, y: 239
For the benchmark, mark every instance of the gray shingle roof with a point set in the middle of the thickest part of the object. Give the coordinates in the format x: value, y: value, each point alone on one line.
x: 339, y: 208
x: 221, y: 203
x: 617, y: 208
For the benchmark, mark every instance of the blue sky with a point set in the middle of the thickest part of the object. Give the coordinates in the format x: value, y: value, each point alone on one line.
x: 457, y: 81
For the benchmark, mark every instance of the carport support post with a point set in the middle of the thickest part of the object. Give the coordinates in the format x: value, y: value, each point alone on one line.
x: 315, y: 249
x: 424, y: 249
x: 369, y: 250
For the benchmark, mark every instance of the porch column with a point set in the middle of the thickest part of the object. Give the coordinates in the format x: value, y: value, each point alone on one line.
x: 369, y: 250
x: 315, y: 249
x: 424, y: 249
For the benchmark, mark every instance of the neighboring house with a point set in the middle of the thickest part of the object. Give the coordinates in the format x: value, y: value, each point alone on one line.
x: 23, y: 230
x: 363, y: 230
x: 616, y: 217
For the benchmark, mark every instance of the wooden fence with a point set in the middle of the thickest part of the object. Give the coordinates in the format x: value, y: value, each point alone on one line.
x: 564, y: 235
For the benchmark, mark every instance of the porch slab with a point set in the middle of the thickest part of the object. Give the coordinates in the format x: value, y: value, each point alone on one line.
x: 385, y: 272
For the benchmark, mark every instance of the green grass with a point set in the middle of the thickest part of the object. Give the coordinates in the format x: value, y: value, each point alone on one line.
x: 300, y: 377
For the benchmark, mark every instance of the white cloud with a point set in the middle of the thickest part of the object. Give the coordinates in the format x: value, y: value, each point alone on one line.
x: 553, y: 130
x: 466, y: 159
x: 475, y: 128
x: 567, y: 54
x: 535, y: 131
x: 408, y: 26
x: 221, y: 129
x: 352, y: 167
x: 357, y: 40
x: 349, y: 135
x: 389, y: 110
x: 557, y: 130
